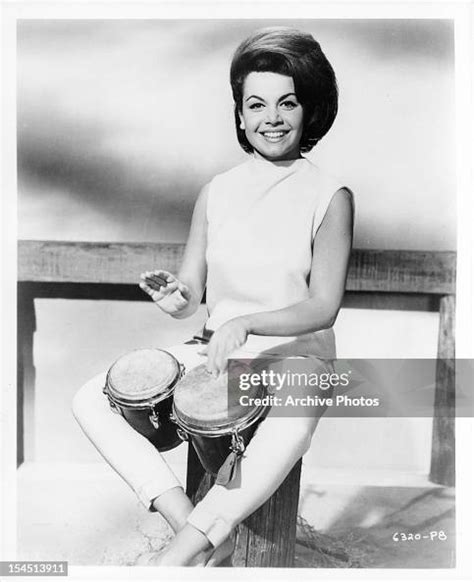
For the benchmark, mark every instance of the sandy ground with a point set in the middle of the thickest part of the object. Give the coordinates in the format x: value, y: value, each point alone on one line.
x: 380, y: 528
x: 85, y: 514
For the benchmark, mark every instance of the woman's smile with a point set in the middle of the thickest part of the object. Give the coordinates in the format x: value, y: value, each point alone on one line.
x: 272, y: 116
x: 274, y: 136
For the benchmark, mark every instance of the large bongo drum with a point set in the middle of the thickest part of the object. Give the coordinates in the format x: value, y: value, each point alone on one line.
x: 210, y: 415
x: 139, y: 386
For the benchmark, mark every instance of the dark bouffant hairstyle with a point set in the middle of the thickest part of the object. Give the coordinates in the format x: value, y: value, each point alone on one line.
x: 296, y: 54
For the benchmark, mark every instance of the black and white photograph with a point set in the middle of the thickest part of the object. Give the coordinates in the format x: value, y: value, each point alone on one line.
x: 243, y: 327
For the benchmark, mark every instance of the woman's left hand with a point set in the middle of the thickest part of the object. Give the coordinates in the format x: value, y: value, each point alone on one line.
x: 225, y: 340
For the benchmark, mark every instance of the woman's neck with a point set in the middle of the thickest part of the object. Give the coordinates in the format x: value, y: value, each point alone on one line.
x: 279, y: 162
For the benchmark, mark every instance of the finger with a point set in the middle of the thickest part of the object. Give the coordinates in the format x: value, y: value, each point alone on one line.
x: 180, y: 301
x: 185, y: 291
x: 146, y: 288
x: 157, y: 285
x: 155, y: 295
x: 172, y: 285
x: 211, y: 365
x: 153, y: 284
x: 220, y: 361
x: 161, y: 276
x: 145, y: 276
x: 157, y: 280
x: 203, y: 351
x: 166, y: 275
x: 221, y: 364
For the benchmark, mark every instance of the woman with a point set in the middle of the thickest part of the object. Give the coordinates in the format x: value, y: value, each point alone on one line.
x: 270, y: 241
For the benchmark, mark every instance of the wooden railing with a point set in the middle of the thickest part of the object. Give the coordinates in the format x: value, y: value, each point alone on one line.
x: 407, y: 280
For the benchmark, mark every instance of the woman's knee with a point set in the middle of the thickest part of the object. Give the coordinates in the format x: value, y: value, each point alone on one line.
x: 301, y: 433
x: 296, y: 432
x: 89, y: 396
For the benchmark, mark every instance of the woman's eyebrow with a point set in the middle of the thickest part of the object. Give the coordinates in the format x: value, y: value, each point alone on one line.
x: 286, y: 95
x: 291, y: 94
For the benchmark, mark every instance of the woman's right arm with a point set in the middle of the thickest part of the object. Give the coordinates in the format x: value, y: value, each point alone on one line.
x: 193, y: 271
x: 181, y: 296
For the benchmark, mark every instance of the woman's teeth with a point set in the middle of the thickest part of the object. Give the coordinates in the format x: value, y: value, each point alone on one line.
x: 273, y: 134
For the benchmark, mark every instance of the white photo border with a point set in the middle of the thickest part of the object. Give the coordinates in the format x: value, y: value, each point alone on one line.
x: 462, y: 15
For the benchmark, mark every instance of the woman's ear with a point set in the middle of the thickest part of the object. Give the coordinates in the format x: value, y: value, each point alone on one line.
x: 242, y: 122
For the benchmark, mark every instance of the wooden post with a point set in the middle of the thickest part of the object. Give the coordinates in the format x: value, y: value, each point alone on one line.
x: 26, y: 325
x: 266, y: 538
x: 443, y: 440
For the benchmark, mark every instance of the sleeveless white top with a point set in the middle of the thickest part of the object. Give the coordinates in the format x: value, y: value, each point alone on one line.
x: 262, y: 220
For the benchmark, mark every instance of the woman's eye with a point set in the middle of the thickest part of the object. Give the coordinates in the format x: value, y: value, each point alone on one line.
x: 255, y: 106
x: 289, y: 104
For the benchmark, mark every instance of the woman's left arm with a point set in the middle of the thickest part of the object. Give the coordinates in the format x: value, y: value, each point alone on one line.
x: 331, y: 252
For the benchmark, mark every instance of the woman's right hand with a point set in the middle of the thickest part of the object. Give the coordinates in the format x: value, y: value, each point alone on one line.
x: 166, y: 290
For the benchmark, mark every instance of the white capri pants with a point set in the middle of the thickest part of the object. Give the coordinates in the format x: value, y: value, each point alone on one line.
x: 277, y: 444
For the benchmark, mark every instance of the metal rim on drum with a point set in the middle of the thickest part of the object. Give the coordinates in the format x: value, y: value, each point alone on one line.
x: 219, y: 429
x: 187, y: 416
x: 144, y: 403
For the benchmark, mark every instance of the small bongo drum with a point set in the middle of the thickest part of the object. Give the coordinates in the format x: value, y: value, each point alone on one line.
x: 210, y: 415
x: 139, y: 386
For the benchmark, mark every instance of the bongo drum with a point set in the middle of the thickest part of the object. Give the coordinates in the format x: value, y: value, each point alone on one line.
x: 139, y: 386
x: 209, y: 414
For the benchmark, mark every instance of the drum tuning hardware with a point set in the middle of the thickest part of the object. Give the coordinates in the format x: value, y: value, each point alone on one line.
x: 238, y: 445
x: 113, y: 406
x: 155, y: 421
x: 182, y: 435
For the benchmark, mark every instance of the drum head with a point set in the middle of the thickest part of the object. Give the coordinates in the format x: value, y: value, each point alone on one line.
x: 142, y: 374
x: 204, y: 402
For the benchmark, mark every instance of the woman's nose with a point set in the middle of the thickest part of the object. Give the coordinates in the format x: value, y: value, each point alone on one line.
x: 273, y: 116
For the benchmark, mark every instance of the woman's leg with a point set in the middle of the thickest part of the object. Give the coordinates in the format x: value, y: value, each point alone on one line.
x: 276, y: 446
x: 134, y: 458
x: 278, y: 443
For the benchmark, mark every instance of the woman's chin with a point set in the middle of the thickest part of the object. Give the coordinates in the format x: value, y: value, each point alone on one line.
x: 273, y: 153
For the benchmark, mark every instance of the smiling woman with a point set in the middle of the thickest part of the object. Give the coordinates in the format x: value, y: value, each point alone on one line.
x: 310, y: 82
x: 270, y: 242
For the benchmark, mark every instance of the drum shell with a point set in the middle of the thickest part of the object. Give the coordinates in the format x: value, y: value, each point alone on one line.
x: 215, y: 425
x: 149, y: 413
x: 165, y: 437
x: 212, y: 451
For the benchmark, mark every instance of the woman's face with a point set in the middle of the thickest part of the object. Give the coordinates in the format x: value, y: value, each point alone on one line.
x: 272, y: 116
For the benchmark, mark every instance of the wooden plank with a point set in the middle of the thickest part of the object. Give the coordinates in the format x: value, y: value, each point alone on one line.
x: 370, y: 270
x: 132, y: 292
x: 84, y: 262
x: 89, y: 291
x: 402, y: 271
x: 443, y: 440
x: 390, y: 300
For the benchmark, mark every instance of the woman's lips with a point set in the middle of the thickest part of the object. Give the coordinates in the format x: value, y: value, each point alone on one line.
x: 273, y: 136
